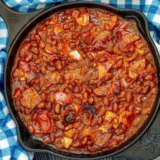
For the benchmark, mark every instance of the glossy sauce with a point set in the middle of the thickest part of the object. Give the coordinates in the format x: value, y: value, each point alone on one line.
x: 84, y: 80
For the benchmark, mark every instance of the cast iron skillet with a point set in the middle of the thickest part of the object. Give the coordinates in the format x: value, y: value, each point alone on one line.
x: 26, y: 22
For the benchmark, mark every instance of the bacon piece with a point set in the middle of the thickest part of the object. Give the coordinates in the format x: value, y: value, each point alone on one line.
x: 43, y: 122
x: 126, y: 118
x: 126, y: 38
x: 30, y: 98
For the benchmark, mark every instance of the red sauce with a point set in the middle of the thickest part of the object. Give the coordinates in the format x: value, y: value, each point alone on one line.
x: 84, y: 80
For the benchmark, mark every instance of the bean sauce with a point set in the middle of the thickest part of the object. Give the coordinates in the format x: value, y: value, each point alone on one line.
x: 84, y: 80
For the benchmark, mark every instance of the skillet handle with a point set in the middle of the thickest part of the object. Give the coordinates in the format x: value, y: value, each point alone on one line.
x: 15, y: 20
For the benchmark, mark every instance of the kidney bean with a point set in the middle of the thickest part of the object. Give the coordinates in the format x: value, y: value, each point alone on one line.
x: 31, y: 128
x: 57, y: 108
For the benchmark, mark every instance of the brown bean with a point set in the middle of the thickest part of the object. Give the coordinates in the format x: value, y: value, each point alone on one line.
x: 43, y: 96
x: 84, y: 140
x: 129, y: 97
x: 42, y: 43
x: 108, y: 76
x: 28, y: 58
x: 90, y: 56
x: 146, y: 111
x: 78, y: 95
x: 92, y: 82
x: 131, y: 108
x: 138, y: 111
x: 52, y: 137
x: 139, y: 99
x: 94, y: 121
x: 46, y: 140
x: 27, y: 118
x: 37, y: 81
x: 119, y: 63
x: 145, y: 90
x: 15, y: 73
x: 17, y: 93
x: 137, y: 121
x: 34, y: 116
x: 122, y: 94
x: 115, y: 107
x: 41, y: 105
x: 57, y: 108
x: 100, y: 120
x: 37, y: 61
x: 49, y: 106
x: 51, y: 97
x: 43, y: 68
x: 84, y: 100
x: 89, y: 90
x: 106, y: 101
x: 76, y: 144
x: 85, y: 95
x: 27, y: 111
x: 149, y: 77
x: 101, y: 111
x: 59, y: 125
x: 31, y: 128
x: 91, y: 100
x: 56, y: 117
x: 59, y: 65
x: 34, y: 50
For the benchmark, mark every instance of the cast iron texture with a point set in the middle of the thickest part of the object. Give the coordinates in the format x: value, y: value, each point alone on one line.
x: 26, y: 140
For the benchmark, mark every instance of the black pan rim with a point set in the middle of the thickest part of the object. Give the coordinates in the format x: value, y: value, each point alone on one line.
x: 98, y: 6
